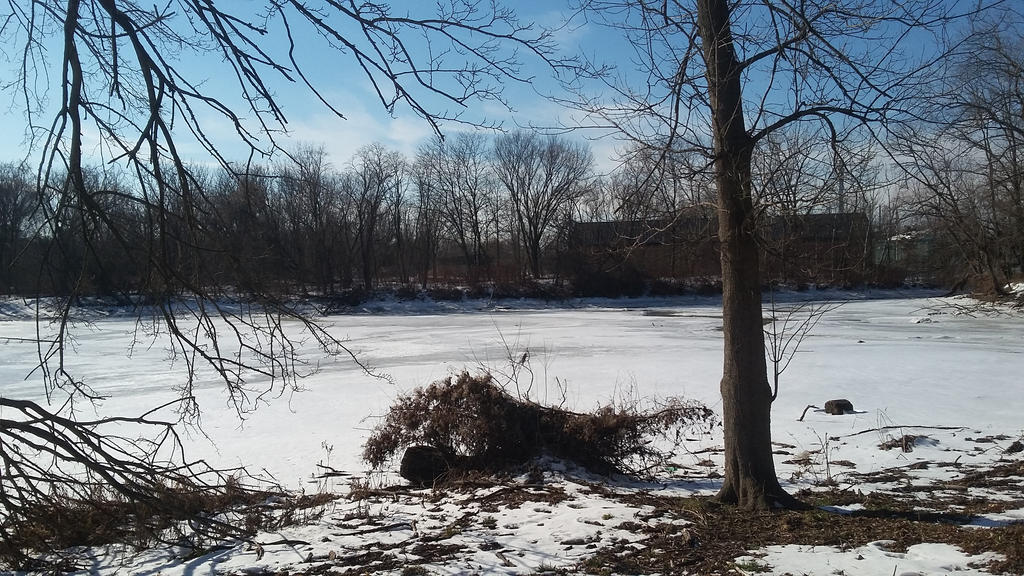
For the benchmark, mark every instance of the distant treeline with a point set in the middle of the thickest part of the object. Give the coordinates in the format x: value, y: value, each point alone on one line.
x: 516, y: 211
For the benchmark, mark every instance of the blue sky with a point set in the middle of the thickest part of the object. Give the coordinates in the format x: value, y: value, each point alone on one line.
x: 309, y: 121
x: 336, y: 74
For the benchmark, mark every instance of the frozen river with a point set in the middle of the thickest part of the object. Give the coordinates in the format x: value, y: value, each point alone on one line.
x: 917, y: 361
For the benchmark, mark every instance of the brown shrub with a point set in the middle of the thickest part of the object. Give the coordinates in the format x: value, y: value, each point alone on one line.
x: 34, y: 537
x: 477, y: 425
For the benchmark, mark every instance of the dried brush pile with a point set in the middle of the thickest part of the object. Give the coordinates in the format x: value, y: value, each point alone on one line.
x: 68, y: 484
x: 50, y: 536
x: 479, y: 426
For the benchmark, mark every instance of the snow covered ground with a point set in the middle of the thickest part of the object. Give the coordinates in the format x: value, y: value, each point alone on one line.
x: 941, y: 370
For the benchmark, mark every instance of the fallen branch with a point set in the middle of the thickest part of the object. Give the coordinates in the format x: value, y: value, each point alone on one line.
x: 804, y: 413
x: 893, y: 427
x: 385, y: 528
x: 329, y: 472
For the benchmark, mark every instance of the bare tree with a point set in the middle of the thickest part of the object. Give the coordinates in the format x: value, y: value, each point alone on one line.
x: 545, y: 178
x: 795, y: 173
x: 17, y: 203
x: 720, y: 78
x: 967, y: 158
x: 307, y: 189
x: 428, y: 215
x: 656, y: 185
x: 397, y: 215
x: 243, y: 231
x: 597, y: 204
x: 787, y: 328
x: 125, y: 81
x: 811, y: 197
x: 371, y: 180
x: 464, y: 180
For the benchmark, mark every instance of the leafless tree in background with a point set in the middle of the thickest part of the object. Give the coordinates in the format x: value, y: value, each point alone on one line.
x: 544, y: 177
x: 17, y: 199
x: 308, y: 190
x: 966, y: 158
x: 657, y: 186
x: 375, y: 175
x: 428, y: 214
x: 468, y: 193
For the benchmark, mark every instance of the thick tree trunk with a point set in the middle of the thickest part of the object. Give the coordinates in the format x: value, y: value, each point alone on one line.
x: 535, y: 258
x: 750, y: 479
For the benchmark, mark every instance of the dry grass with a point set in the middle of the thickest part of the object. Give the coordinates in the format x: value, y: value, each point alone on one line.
x: 712, y: 536
x: 718, y: 534
x: 185, y: 515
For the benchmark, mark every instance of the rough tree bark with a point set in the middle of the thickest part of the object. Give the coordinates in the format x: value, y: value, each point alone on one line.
x: 750, y: 479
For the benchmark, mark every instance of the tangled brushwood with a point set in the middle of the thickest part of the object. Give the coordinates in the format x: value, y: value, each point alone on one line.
x: 66, y: 484
x: 479, y: 426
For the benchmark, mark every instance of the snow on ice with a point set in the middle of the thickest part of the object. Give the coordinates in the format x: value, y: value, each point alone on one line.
x: 942, y: 372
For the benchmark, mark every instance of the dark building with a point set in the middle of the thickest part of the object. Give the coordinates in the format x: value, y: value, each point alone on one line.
x: 826, y: 248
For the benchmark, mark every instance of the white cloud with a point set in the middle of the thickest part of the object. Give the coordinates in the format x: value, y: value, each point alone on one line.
x: 362, y: 125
